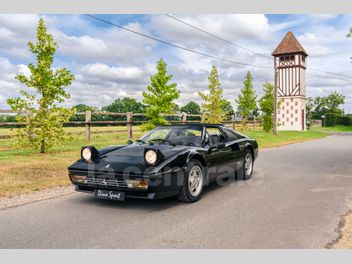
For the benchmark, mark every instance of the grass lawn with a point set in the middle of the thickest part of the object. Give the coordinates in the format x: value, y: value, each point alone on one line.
x: 267, y: 140
x: 338, y: 128
x: 76, y: 130
x: 25, y: 170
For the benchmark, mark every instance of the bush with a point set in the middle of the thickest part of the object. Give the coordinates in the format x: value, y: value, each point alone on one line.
x: 334, y: 120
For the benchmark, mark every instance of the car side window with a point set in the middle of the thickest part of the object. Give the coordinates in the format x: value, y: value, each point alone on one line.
x: 230, y: 136
x: 215, y: 135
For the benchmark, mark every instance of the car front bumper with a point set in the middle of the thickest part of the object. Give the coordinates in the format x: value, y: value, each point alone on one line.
x: 159, y: 185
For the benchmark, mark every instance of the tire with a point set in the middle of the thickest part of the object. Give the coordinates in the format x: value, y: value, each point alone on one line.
x: 191, y: 193
x: 246, y: 170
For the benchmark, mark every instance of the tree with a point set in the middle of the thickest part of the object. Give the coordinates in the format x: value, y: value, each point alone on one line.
x: 213, y: 106
x: 266, y: 104
x: 246, y: 101
x: 330, y: 104
x: 84, y: 107
x: 44, y: 116
x: 191, y: 108
x: 228, y: 108
x: 81, y: 108
x: 160, y: 97
x: 124, y: 105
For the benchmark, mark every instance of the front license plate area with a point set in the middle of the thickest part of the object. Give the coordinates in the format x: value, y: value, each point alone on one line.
x: 109, y: 195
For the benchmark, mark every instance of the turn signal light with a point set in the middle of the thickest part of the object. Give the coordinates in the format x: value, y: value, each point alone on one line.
x: 137, y: 184
x: 78, y: 178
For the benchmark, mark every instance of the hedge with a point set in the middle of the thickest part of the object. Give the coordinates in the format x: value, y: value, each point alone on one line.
x: 333, y: 120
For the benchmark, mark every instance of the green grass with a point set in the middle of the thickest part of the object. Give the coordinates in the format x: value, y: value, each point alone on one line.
x: 267, y: 140
x: 333, y: 129
x: 25, y: 170
x: 75, y: 130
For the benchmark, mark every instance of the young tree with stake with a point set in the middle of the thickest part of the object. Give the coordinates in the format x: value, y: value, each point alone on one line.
x: 246, y: 101
x: 160, y: 97
x: 266, y: 104
x: 44, y: 117
x: 214, y: 102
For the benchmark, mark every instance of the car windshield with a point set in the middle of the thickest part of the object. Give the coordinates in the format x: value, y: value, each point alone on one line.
x: 175, y: 135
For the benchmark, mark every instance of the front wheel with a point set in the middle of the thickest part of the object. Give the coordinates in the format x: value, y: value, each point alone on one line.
x: 246, y: 170
x: 193, y: 183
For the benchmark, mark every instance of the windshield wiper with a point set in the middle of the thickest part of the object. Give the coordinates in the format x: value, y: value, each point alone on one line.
x: 141, y: 141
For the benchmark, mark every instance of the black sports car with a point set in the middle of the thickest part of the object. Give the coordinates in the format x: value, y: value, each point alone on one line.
x: 169, y: 160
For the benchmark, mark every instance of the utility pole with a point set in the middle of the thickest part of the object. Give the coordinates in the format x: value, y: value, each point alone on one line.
x: 275, y: 99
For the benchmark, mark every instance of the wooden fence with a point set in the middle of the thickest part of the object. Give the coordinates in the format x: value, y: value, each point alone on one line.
x: 128, y: 121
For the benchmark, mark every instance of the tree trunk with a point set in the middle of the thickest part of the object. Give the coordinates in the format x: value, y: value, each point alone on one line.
x: 42, y: 146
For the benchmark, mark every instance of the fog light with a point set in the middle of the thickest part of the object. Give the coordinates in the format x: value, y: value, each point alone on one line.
x: 137, y: 184
x: 79, y: 178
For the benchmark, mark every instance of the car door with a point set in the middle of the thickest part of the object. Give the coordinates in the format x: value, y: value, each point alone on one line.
x: 220, y: 159
x: 237, y: 146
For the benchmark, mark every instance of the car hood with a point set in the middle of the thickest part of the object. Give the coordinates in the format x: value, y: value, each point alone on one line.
x: 119, y: 159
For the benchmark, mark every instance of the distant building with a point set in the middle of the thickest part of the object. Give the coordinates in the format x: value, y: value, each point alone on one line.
x: 290, y: 64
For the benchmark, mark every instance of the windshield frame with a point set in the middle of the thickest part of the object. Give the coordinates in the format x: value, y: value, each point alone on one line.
x: 195, y: 127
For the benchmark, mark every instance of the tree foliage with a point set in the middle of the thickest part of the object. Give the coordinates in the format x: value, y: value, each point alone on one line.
x: 160, y: 97
x: 45, y: 117
x: 228, y: 108
x: 247, y: 99
x: 331, y: 104
x: 266, y: 104
x: 124, y: 105
x: 214, y: 102
x: 191, y: 108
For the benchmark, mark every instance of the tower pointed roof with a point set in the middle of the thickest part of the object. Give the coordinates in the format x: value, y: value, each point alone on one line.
x: 289, y: 44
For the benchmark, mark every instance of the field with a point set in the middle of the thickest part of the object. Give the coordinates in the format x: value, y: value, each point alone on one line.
x: 25, y: 170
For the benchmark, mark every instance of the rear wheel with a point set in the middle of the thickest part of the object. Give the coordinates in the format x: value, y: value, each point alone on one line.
x: 246, y: 170
x: 193, y: 183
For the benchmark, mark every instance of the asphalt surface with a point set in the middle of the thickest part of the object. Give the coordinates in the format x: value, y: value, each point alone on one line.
x: 294, y: 200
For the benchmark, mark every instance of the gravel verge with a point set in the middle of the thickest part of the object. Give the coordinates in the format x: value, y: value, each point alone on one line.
x: 6, y: 202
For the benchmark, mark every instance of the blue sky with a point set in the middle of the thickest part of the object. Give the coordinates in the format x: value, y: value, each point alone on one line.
x: 110, y: 63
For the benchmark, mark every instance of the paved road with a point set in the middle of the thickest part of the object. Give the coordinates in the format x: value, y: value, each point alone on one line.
x: 294, y: 200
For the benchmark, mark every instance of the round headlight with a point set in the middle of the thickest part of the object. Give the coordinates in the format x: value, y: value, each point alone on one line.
x: 150, y: 157
x: 86, y: 154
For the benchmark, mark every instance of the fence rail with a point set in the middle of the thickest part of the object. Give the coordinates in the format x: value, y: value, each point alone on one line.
x: 128, y: 122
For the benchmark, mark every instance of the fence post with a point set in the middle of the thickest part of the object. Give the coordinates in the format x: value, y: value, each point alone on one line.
x: 129, y: 125
x: 184, y: 117
x: 88, y: 124
x: 233, y: 119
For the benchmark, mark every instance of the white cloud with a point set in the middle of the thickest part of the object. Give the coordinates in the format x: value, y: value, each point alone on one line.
x: 109, y: 62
